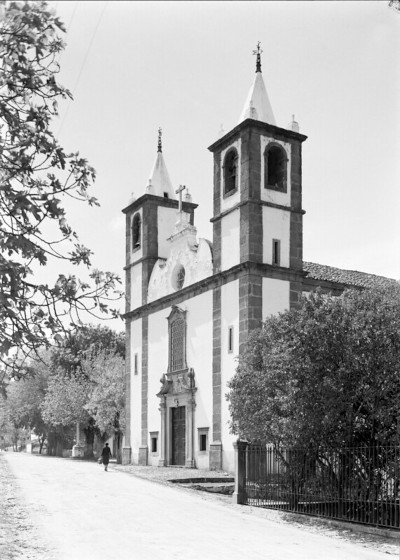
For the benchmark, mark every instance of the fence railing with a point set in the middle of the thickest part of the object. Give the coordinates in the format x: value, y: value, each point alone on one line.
x: 359, y: 484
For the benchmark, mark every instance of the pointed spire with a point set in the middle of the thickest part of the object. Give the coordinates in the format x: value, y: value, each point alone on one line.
x: 257, y: 105
x: 258, y: 52
x: 159, y: 182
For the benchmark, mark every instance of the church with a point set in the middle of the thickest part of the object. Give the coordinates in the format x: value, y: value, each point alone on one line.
x: 190, y: 303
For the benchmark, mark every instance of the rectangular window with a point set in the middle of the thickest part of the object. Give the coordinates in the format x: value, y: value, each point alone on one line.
x: 203, y: 440
x: 276, y: 252
x: 230, y: 339
x: 154, y: 442
x: 136, y: 366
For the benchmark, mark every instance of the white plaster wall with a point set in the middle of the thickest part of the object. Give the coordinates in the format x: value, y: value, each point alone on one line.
x: 199, y: 357
x: 230, y: 201
x: 230, y: 240
x: 229, y: 317
x: 136, y: 388
x: 157, y: 365
x: 276, y: 225
x: 136, y: 286
x: 196, y: 259
x: 275, y: 296
x: 167, y: 218
x: 268, y: 194
x: 138, y: 253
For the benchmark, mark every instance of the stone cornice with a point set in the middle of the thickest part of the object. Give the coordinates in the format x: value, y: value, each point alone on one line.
x: 159, y: 201
x: 142, y: 259
x: 260, y: 203
x: 274, y: 131
x: 215, y: 281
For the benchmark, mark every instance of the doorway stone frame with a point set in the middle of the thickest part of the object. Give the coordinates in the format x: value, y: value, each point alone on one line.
x: 178, y: 389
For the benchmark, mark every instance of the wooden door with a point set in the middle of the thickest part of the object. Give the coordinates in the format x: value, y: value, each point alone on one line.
x: 178, y: 435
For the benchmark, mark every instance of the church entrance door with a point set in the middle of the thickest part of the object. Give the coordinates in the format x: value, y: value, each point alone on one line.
x: 178, y: 435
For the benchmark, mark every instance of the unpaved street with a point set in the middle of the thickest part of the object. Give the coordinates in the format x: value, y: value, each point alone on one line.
x: 74, y: 510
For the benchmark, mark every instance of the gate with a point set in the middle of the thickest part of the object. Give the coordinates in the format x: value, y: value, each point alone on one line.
x: 358, y: 484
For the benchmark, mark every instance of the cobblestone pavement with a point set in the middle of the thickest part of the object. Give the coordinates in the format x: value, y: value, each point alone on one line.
x: 19, y: 537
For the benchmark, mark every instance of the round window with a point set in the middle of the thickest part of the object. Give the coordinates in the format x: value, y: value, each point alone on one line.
x: 179, y: 277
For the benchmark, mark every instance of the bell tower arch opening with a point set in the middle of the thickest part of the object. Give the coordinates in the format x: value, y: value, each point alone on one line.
x: 275, y: 167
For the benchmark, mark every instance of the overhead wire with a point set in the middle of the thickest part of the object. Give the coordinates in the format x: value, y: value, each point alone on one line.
x: 85, y: 58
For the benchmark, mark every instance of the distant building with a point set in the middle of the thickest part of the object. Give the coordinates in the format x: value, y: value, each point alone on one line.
x: 191, y: 303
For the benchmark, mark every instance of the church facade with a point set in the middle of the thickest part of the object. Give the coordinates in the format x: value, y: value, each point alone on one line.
x: 190, y: 303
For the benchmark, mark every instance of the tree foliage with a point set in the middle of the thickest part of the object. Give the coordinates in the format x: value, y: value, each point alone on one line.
x: 64, y: 403
x: 325, y: 374
x: 83, y: 343
x: 37, y: 177
x: 85, y: 385
x: 106, y: 403
x: 87, y: 368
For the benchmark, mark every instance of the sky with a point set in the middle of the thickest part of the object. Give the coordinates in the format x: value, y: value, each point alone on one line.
x: 187, y: 67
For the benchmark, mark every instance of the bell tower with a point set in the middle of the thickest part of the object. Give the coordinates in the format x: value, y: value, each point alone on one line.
x: 150, y: 219
x: 257, y: 219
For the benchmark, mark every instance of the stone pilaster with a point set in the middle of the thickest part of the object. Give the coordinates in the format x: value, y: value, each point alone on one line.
x: 216, y: 379
x: 143, y: 449
x: 250, y: 306
x: 215, y: 460
x: 162, y: 461
x: 126, y: 449
x: 190, y: 408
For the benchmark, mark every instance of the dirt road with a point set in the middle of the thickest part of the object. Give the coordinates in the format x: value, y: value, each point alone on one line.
x: 74, y: 510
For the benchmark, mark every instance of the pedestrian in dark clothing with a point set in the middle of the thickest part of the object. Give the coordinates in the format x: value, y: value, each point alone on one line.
x: 105, y: 455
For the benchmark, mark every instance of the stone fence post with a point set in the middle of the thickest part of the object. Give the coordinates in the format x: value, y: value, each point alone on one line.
x: 239, y: 493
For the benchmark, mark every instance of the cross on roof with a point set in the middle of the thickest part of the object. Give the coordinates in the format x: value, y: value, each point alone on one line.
x: 258, y: 52
x: 179, y: 192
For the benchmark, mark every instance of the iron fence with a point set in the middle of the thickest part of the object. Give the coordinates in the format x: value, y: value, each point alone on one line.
x: 359, y: 484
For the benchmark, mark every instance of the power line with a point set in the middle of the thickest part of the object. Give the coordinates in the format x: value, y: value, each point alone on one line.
x: 84, y: 60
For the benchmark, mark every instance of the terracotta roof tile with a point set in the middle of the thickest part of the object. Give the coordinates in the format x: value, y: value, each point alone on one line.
x: 347, y: 277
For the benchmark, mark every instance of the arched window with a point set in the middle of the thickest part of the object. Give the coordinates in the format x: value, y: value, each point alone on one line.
x: 136, y: 231
x: 230, y: 171
x: 275, y: 164
x: 177, y: 339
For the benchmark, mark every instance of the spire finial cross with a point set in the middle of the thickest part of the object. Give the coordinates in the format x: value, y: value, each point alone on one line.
x: 179, y: 192
x: 159, y: 147
x: 258, y: 52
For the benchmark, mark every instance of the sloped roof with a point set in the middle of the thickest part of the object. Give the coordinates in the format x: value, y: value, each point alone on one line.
x: 257, y: 105
x: 346, y: 277
x: 159, y: 182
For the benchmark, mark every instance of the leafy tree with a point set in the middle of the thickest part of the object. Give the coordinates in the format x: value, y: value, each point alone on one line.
x: 87, y: 383
x: 106, y: 403
x: 37, y: 177
x: 64, y: 403
x: 325, y: 374
x: 24, y: 398
x: 5, y: 425
x: 82, y: 343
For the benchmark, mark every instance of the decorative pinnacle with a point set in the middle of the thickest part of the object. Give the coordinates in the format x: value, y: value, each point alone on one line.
x: 258, y: 52
x: 159, y: 148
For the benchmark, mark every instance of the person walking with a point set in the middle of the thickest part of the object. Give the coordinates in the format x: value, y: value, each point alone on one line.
x: 105, y: 455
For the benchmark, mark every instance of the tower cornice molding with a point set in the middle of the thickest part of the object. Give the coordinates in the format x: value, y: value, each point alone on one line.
x: 259, y: 203
x: 158, y: 201
x: 274, y: 131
